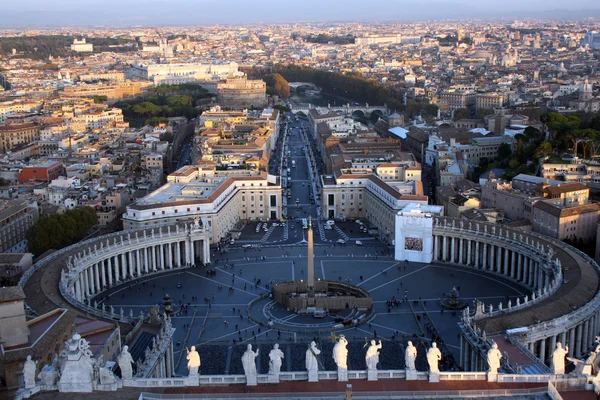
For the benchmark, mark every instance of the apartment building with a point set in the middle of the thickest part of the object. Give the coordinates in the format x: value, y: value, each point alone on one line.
x: 452, y: 100
x: 368, y: 196
x: 557, y: 221
x: 46, y: 172
x: 489, y: 100
x: 219, y: 198
x: 97, y: 119
x: 16, y: 217
x: 15, y: 135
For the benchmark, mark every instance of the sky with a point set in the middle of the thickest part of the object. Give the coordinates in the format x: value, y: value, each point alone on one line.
x: 210, y: 12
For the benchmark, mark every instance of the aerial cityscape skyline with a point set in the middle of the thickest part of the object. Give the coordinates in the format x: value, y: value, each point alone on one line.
x: 198, y: 12
x: 234, y: 199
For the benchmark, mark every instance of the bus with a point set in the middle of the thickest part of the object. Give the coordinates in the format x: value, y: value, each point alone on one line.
x: 304, y: 223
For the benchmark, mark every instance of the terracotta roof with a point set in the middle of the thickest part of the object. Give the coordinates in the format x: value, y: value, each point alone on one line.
x: 563, y: 212
x: 565, y: 188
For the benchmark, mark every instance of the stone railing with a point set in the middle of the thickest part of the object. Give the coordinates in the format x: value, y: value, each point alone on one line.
x: 219, y: 380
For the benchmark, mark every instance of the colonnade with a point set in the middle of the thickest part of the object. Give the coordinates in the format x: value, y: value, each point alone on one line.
x: 526, y: 263
x: 580, y: 338
x: 128, y: 262
x: 479, y: 253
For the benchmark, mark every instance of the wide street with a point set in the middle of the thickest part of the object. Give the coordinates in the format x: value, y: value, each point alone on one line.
x: 220, y: 297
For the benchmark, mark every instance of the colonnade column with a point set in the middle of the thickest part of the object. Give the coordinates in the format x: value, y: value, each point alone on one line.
x: 177, y: 254
x: 124, y: 258
x: 469, y: 262
x: 79, y: 290
x: 103, y: 272
x: 477, y: 254
x: 519, y: 266
x: 96, y: 278
x: 170, y: 255
x: 435, y: 249
x: 484, y: 257
x: 133, y: 260
x: 586, y: 332
x: 578, y: 341
x: 445, y: 249
x: 161, y: 253
x: 92, y: 281
x: 117, y: 269
x: 192, y: 256
x: 571, y: 342
x: 543, y: 351
x: 206, y: 257
x: 86, y: 283
x: 153, y: 254
x: 110, y: 273
x: 453, y: 249
x: 552, y: 344
x: 498, y: 266
x: 505, y: 270
x: 146, y: 264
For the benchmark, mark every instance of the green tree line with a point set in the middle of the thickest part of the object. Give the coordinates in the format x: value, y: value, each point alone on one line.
x: 324, y: 38
x: 56, y: 231
x: 276, y: 84
x: 349, y: 85
x: 163, y: 102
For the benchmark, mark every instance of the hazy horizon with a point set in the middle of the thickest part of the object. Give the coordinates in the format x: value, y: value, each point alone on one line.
x: 36, y: 13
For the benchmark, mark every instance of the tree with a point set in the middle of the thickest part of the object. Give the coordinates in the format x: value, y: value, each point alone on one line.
x: 504, y: 151
x: 278, y: 85
x: 56, y: 231
x: 460, y: 113
x: 544, y: 149
x: 482, y: 112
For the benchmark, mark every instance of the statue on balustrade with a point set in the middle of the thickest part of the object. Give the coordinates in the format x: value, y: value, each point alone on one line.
x: 434, y: 355
x: 410, y: 355
x: 193, y: 361
x: 372, y: 356
x: 77, y: 369
x: 249, y: 364
x: 275, y: 357
x: 493, y: 358
x: 558, y: 359
x: 340, y: 353
x: 311, y: 362
x: 29, y: 373
x: 125, y: 360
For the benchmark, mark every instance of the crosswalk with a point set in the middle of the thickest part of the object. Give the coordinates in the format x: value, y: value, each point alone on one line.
x: 341, y: 233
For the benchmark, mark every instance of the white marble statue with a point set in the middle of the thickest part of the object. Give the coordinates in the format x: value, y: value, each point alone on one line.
x: 77, y: 371
x: 311, y: 357
x: 29, y: 373
x: 372, y: 356
x: 340, y: 353
x: 125, y: 360
x: 249, y: 364
x: 410, y: 355
x: 275, y: 357
x: 434, y: 355
x: 558, y: 359
x: 493, y: 358
x: 193, y: 361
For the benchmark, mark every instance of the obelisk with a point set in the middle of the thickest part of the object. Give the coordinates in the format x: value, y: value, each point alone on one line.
x: 311, y: 266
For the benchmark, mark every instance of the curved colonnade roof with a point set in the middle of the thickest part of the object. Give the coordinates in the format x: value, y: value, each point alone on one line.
x: 580, y: 285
